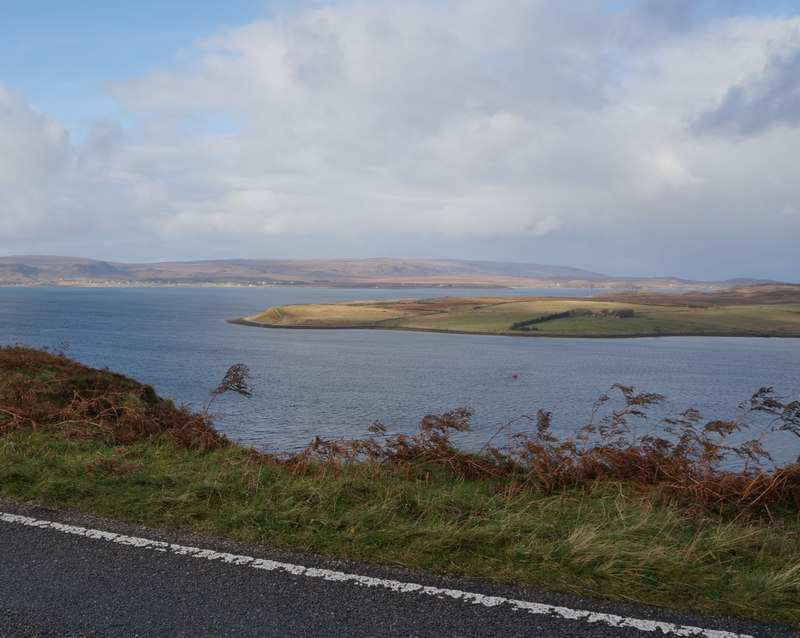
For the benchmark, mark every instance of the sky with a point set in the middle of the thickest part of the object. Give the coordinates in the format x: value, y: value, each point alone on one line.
x: 626, y: 137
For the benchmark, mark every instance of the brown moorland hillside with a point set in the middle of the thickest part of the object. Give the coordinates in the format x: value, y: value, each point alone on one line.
x: 375, y: 273
x: 736, y: 296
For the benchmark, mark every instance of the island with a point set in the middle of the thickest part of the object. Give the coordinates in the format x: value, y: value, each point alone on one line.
x: 771, y: 310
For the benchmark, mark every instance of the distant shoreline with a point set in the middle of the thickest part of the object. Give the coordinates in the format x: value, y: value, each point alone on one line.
x: 343, y: 285
x: 380, y: 273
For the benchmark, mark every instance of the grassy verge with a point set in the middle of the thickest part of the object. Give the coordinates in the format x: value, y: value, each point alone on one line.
x: 410, y: 501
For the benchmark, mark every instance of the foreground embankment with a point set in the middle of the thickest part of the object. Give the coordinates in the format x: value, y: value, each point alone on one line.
x: 654, y: 518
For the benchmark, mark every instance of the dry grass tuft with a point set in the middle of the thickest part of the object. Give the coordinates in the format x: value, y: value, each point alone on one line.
x: 678, y: 453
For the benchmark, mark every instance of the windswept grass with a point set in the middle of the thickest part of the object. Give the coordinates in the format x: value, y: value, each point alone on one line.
x: 604, y: 512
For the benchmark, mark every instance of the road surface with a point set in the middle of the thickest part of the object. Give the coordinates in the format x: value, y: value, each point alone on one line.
x: 63, y: 574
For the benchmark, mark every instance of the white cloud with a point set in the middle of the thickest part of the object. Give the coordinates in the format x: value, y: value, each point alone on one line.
x: 33, y: 148
x: 388, y: 122
x: 32, y: 145
x: 407, y: 117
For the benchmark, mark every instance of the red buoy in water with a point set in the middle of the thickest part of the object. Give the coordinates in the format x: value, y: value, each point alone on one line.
x: 514, y: 375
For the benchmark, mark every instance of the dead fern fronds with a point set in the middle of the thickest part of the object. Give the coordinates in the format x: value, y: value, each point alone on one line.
x: 235, y: 380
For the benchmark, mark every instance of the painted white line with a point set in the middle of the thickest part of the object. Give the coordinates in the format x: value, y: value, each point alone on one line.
x: 367, y: 581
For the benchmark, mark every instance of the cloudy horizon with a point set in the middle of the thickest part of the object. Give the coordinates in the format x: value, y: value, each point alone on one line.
x: 630, y: 138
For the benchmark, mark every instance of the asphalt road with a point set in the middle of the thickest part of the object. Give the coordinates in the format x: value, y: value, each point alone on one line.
x: 57, y: 580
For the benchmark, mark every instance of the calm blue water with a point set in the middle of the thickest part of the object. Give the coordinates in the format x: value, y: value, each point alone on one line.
x: 336, y: 383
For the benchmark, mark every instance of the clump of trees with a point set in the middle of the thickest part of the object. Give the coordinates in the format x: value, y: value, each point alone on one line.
x: 529, y: 324
x: 526, y: 325
x: 623, y: 313
x: 619, y: 313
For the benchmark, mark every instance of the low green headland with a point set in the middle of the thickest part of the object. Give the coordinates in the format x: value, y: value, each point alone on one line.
x: 626, y: 508
x: 766, y: 310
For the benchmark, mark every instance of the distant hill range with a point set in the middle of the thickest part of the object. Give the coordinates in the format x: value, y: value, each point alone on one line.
x: 334, y: 273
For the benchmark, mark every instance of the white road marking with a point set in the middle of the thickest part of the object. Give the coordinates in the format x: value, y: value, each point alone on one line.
x: 367, y: 581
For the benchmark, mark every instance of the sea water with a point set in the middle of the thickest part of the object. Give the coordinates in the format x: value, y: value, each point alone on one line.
x: 335, y: 383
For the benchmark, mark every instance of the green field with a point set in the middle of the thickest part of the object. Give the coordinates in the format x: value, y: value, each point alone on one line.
x: 760, y: 311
